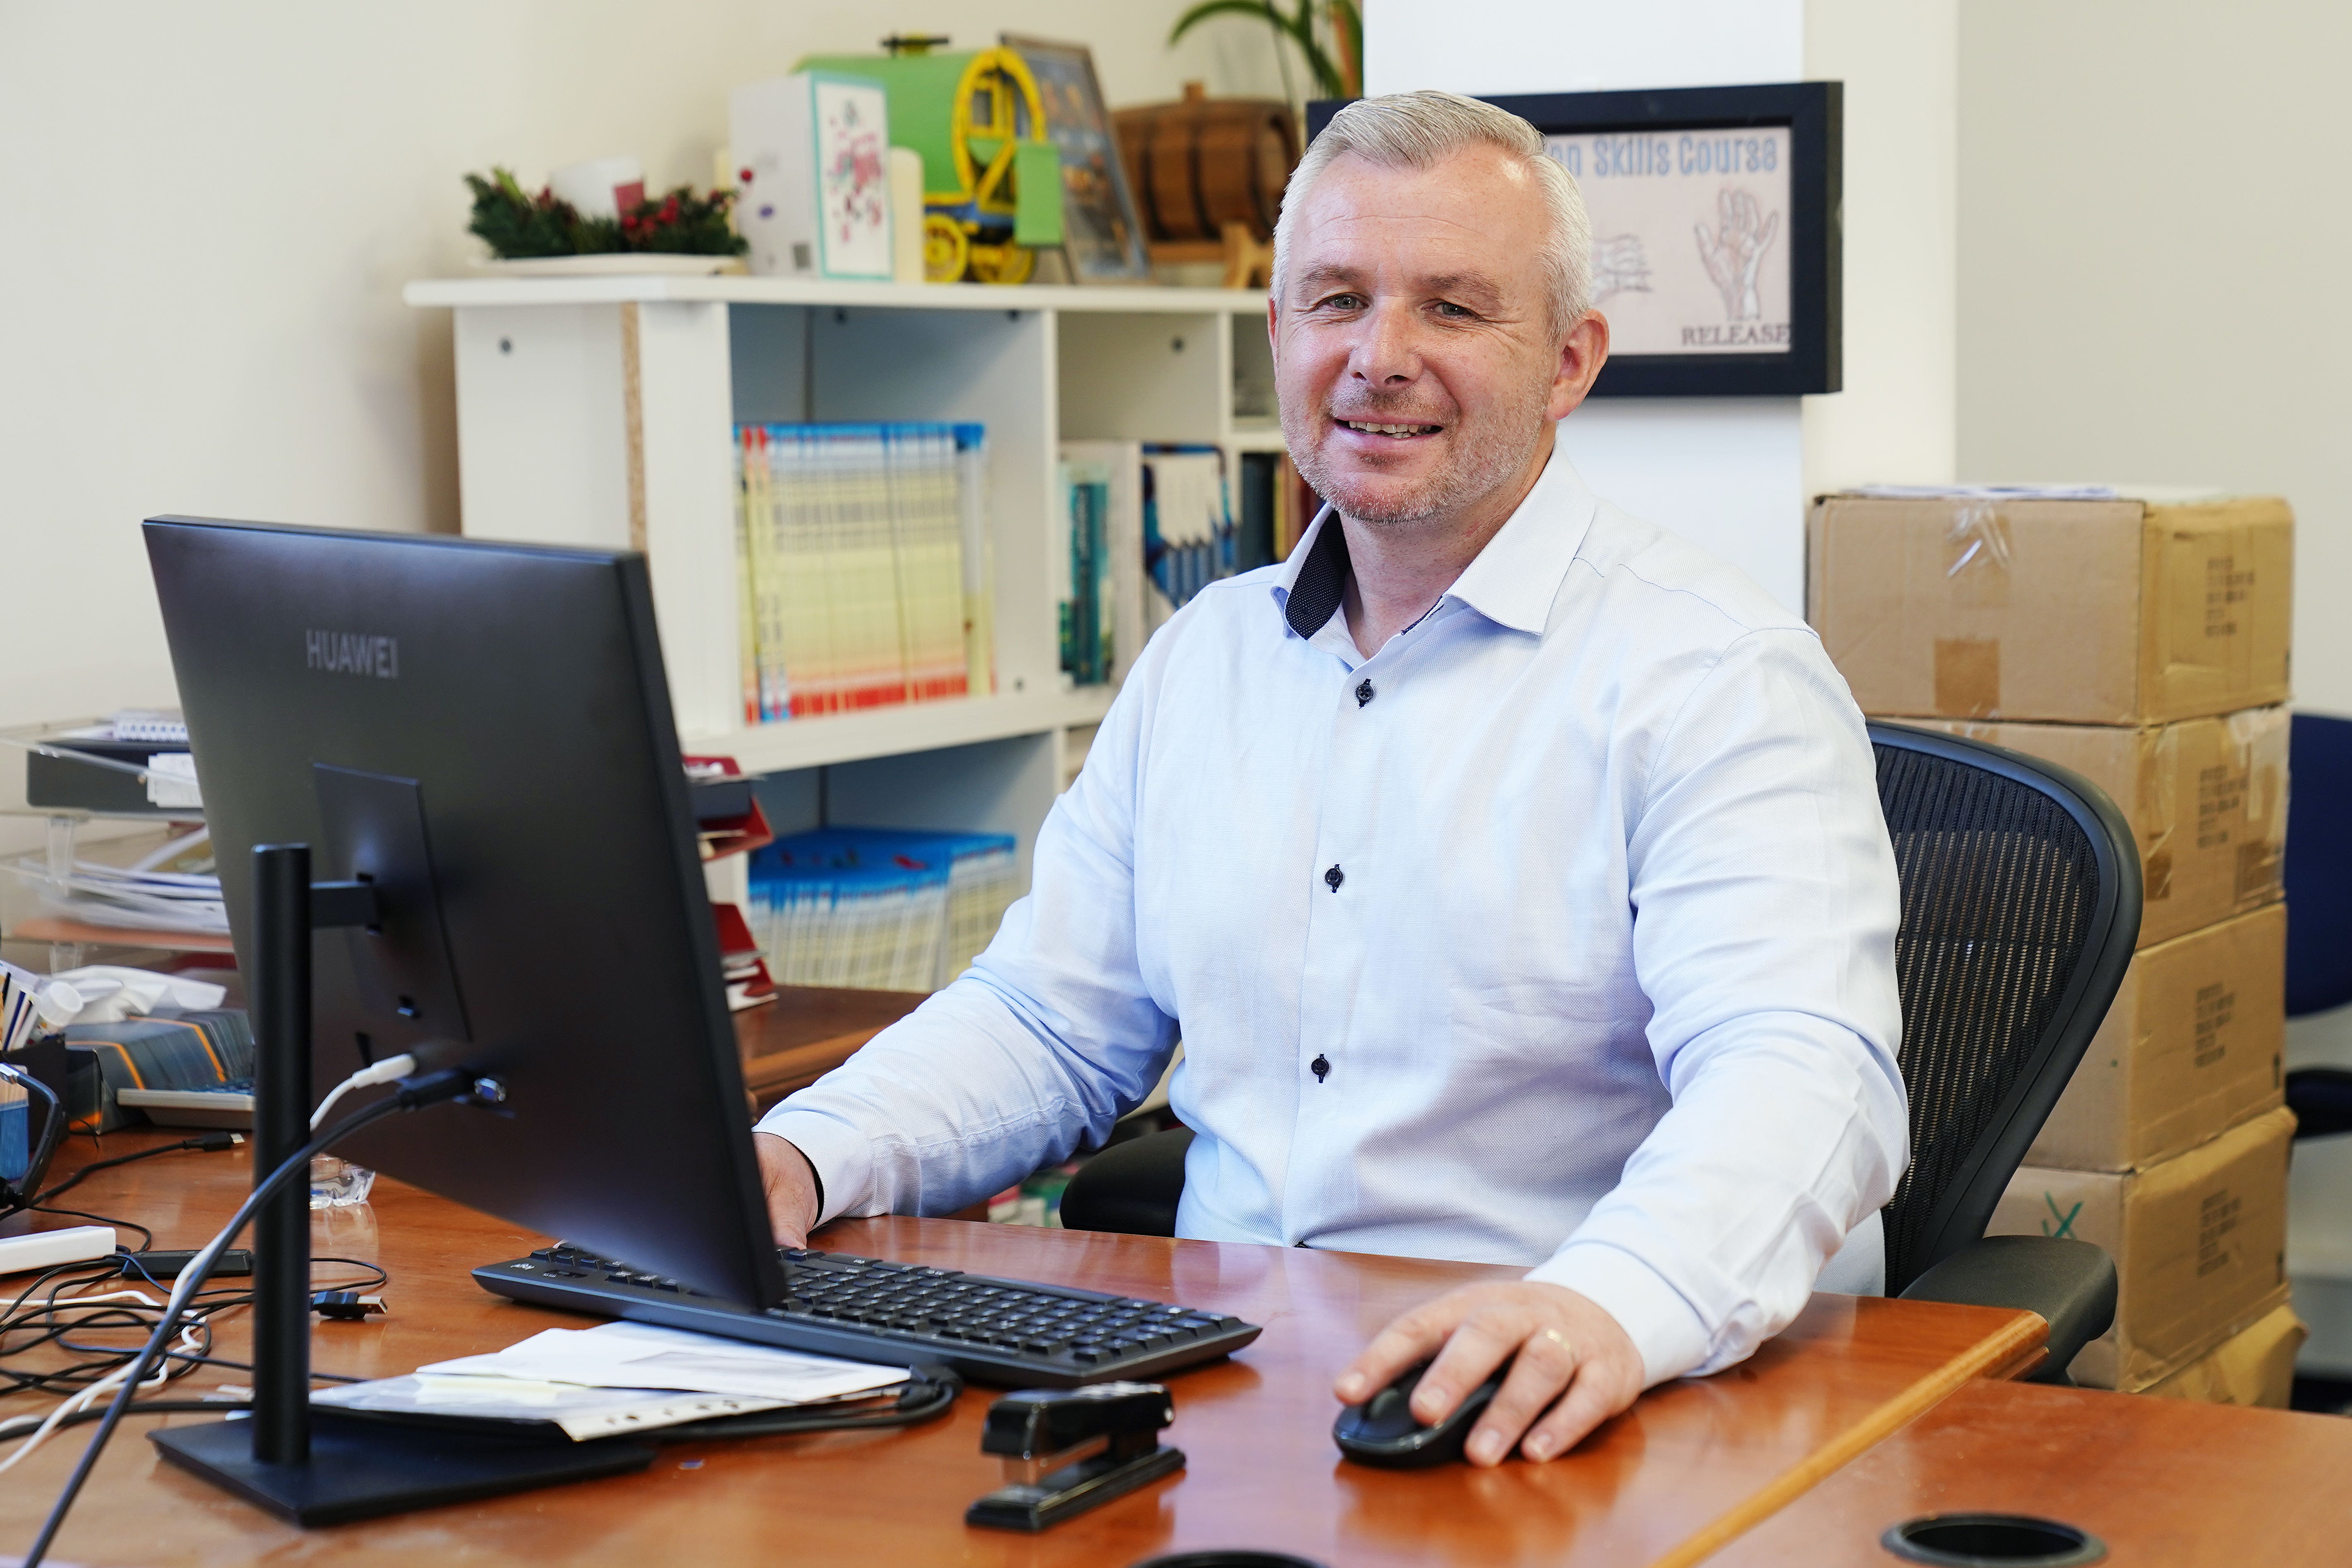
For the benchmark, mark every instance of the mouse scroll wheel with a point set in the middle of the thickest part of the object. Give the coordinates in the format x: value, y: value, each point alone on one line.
x: 1389, y: 1414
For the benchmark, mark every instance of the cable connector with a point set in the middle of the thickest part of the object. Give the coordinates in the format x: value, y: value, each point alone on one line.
x: 388, y: 1070
x: 433, y: 1088
x: 159, y: 1266
x: 346, y: 1306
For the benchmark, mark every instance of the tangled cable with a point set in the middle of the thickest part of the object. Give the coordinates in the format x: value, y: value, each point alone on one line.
x: 62, y: 1307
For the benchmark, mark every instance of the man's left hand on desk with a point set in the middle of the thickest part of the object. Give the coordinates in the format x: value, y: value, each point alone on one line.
x: 1563, y: 1341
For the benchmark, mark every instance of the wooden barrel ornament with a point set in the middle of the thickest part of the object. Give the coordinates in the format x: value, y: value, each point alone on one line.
x: 1197, y: 164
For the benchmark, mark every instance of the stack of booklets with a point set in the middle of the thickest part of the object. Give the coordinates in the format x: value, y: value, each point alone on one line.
x: 164, y: 1066
x: 1151, y: 526
x: 879, y: 909
x: 1188, y: 522
x: 862, y: 564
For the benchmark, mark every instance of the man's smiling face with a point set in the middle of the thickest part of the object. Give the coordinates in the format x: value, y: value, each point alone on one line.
x: 1415, y: 354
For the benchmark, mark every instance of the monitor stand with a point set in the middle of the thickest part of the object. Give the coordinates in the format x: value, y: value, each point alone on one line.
x: 340, y: 1467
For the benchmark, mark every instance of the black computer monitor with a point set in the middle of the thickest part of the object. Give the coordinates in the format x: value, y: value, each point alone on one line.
x: 485, y: 731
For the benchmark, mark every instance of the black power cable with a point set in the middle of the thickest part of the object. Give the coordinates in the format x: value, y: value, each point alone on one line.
x: 206, y: 1141
x: 930, y: 1393
x: 410, y: 1094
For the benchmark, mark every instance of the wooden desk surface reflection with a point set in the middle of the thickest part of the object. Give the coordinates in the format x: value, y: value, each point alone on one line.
x: 2165, y: 1483
x: 1263, y: 1471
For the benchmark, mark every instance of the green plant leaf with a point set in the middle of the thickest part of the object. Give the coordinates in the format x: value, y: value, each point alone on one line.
x: 1347, y: 22
x: 1257, y: 10
x: 1301, y: 28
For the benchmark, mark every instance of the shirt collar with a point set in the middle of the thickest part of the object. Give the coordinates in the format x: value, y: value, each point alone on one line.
x: 1512, y: 582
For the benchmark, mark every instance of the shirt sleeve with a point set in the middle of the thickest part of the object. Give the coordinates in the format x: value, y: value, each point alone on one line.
x: 1765, y: 907
x: 1038, y: 1048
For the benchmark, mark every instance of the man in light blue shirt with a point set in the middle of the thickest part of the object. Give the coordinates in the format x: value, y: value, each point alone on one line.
x: 1513, y: 871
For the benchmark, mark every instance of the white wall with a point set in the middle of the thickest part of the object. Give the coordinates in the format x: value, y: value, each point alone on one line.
x: 1896, y: 419
x: 207, y: 212
x: 1734, y: 475
x: 2152, y: 265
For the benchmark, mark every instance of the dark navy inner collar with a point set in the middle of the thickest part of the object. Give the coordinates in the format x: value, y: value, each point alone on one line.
x: 1322, y: 580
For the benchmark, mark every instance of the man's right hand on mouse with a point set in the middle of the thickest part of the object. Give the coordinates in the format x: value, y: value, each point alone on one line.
x: 1575, y: 1367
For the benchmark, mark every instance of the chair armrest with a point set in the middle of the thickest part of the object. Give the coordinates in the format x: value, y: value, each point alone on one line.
x: 2072, y: 1284
x: 1131, y: 1187
x: 2321, y: 1098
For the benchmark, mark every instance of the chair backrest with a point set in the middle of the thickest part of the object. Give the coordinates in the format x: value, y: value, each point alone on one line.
x: 2318, y: 863
x: 2020, y: 907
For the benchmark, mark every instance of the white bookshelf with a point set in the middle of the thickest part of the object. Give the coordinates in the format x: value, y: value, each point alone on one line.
x: 600, y: 411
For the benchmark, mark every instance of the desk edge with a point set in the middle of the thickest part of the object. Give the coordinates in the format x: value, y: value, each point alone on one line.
x: 1998, y: 1355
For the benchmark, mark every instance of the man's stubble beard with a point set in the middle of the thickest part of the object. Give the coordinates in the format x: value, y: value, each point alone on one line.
x: 1488, y: 454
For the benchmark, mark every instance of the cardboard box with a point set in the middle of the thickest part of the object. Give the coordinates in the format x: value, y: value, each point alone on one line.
x: 2206, y: 799
x: 2090, y: 612
x: 2200, y: 1244
x: 2194, y: 1044
x: 2252, y: 1367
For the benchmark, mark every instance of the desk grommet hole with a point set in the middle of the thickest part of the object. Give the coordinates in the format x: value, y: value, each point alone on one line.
x: 1228, y: 1557
x: 1992, y: 1540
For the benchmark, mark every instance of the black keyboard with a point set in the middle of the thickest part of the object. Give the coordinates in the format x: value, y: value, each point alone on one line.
x: 1013, y: 1332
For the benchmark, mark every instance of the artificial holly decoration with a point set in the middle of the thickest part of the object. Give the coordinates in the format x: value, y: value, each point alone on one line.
x: 516, y: 225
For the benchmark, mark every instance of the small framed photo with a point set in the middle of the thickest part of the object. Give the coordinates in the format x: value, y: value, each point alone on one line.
x: 1099, y: 225
x: 1716, y: 238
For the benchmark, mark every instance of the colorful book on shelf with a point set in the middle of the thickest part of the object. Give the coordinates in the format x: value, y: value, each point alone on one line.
x: 1274, y: 506
x: 855, y: 545
x: 1118, y: 466
x: 1082, y: 594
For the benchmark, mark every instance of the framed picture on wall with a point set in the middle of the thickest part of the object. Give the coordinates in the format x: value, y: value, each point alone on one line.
x: 1099, y: 226
x: 1715, y: 231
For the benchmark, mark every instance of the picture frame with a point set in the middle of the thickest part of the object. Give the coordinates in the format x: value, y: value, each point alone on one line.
x: 1718, y: 238
x: 1102, y: 232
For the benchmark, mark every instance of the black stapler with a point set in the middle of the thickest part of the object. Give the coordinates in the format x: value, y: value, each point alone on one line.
x: 1067, y: 1450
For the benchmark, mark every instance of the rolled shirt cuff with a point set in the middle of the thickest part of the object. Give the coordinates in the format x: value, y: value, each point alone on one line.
x: 1653, y: 1313
x: 841, y: 1157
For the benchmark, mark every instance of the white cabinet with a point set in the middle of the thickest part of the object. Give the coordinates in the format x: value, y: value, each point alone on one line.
x: 600, y: 411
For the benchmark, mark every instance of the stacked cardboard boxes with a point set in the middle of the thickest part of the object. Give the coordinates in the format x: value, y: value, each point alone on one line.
x: 2145, y: 644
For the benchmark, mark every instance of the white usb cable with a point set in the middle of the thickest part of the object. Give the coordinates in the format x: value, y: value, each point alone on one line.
x: 384, y: 1071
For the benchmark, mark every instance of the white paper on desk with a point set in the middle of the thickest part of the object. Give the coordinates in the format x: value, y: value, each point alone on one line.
x: 640, y: 1355
x: 579, y: 1413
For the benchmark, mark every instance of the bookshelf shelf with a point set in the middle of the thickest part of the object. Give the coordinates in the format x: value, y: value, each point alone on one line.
x: 600, y: 411
x: 652, y: 289
x: 897, y: 731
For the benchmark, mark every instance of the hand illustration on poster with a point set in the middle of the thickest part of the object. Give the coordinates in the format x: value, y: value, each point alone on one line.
x: 1736, y: 251
x: 1619, y: 266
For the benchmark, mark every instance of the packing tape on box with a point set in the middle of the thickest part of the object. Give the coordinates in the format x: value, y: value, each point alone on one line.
x: 1967, y: 676
x: 2260, y: 735
x: 1976, y: 553
x: 2159, y: 805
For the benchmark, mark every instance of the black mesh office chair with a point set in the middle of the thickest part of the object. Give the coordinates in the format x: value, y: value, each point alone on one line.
x: 2021, y: 892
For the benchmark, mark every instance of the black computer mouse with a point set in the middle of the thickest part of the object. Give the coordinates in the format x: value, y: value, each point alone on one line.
x: 1383, y: 1430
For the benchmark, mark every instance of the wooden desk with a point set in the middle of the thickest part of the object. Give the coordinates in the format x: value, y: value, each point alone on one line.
x: 807, y: 1031
x: 2161, y: 1481
x: 1657, y: 1484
